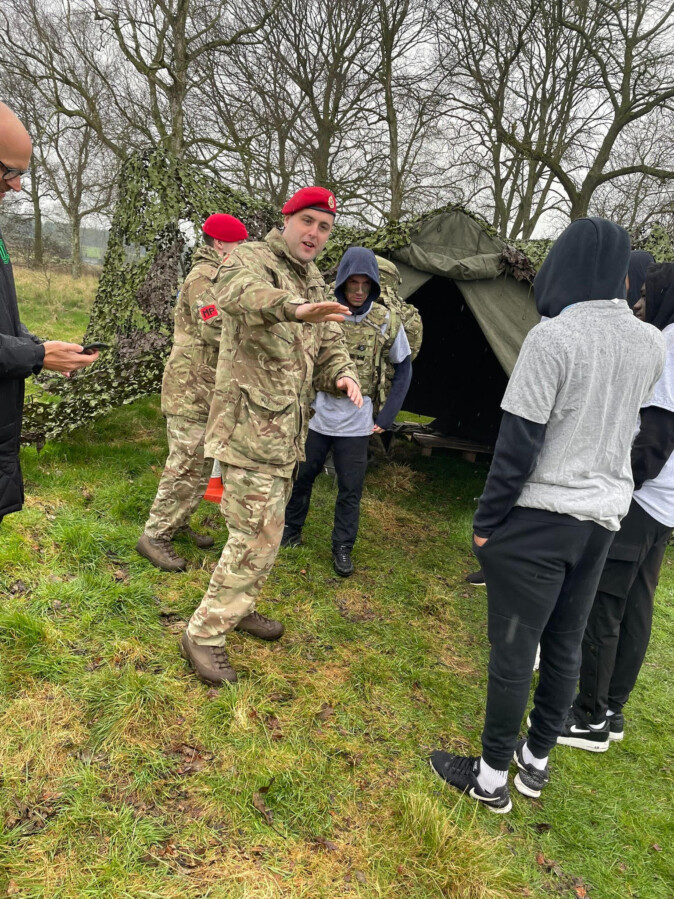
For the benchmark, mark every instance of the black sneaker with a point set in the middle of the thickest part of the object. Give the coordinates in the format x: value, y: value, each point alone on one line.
x: 341, y: 560
x: 616, y: 727
x: 461, y: 772
x: 582, y: 736
x: 476, y: 579
x: 291, y: 539
x: 529, y: 779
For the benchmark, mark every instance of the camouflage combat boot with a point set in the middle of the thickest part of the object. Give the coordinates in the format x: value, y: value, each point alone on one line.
x: 161, y: 554
x: 203, y: 541
x: 259, y: 626
x: 210, y: 663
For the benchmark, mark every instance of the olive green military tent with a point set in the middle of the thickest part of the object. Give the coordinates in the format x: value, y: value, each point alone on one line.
x: 477, y: 307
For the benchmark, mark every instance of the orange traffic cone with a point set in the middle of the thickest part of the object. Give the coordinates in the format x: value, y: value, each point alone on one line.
x: 214, y: 490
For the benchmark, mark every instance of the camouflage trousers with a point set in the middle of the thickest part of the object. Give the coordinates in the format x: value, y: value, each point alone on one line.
x: 253, y: 505
x: 183, y: 481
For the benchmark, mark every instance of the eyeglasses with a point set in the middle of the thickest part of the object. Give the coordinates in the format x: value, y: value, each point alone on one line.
x: 11, y: 173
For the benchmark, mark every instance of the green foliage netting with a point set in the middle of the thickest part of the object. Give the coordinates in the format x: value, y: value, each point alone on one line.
x: 134, y: 302
x: 142, y: 269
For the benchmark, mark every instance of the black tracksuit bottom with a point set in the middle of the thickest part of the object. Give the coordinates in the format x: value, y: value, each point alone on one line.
x: 542, y: 570
x: 350, y: 455
x: 619, y: 626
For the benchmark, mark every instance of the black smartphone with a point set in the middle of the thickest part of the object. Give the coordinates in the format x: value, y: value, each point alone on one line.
x: 91, y: 348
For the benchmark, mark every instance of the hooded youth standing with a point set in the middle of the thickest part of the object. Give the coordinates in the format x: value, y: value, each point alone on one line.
x: 559, y: 484
x: 619, y: 627
x: 373, y: 337
x: 639, y: 262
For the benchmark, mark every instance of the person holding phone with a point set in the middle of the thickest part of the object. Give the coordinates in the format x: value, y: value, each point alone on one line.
x: 21, y: 353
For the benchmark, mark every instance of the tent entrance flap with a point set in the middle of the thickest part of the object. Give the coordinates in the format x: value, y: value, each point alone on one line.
x: 456, y: 377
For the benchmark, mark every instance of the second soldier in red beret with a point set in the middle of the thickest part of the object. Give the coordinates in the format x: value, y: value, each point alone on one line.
x: 186, y: 395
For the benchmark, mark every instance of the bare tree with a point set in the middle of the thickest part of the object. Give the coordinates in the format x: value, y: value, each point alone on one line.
x: 414, y: 103
x: 554, y: 88
x: 34, y: 112
x: 126, y: 67
x: 81, y: 174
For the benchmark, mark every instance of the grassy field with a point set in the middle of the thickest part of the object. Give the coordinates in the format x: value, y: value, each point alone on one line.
x: 123, y: 776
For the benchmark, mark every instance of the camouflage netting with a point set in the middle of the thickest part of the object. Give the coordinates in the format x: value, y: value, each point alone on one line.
x: 145, y: 259
x: 134, y: 302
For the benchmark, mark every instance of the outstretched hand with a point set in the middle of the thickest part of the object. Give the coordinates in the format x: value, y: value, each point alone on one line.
x: 352, y: 390
x: 321, y: 312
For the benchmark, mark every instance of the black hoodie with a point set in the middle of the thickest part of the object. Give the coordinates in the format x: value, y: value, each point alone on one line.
x: 639, y: 262
x: 654, y: 443
x: 589, y: 261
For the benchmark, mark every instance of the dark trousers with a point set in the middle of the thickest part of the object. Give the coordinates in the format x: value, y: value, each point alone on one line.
x: 541, y: 570
x: 619, y: 626
x: 350, y: 455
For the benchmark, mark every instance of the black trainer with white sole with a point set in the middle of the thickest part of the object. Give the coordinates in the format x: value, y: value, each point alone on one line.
x: 582, y: 736
x: 529, y: 780
x: 476, y: 579
x: 616, y: 727
x: 461, y: 773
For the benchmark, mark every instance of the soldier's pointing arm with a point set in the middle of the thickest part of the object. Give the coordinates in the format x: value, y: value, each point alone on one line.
x: 245, y: 289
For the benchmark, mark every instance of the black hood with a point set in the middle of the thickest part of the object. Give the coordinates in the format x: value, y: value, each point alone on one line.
x: 639, y: 262
x: 358, y: 261
x: 660, y: 294
x: 588, y: 261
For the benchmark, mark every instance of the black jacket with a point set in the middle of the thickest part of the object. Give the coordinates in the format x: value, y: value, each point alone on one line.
x: 21, y: 355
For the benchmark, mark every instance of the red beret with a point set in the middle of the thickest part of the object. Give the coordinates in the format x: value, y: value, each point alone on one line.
x: 319, y: 198
x: 225, y: 227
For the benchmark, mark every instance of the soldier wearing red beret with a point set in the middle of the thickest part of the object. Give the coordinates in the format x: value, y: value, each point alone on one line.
x: 277, y: 330
x: 187, y: 390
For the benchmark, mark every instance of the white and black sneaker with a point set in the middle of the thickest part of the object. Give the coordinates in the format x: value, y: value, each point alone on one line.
x: 476, y: 579
x: 461, y: 772
x: 616, y: 727
x: 529, y: 779
x: 582, y: 736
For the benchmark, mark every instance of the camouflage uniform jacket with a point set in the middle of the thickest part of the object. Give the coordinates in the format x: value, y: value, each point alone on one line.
x: 189, y: 376
x: 263, y: 389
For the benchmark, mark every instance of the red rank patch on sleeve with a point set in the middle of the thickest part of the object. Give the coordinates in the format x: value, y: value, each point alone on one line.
x: 208, y: 312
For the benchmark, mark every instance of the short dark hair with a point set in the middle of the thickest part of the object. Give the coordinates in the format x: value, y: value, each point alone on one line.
x: 208, y: 240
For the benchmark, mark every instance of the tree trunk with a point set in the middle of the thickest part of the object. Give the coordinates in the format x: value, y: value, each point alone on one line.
x: 38, y: 246
x: 76, y: 262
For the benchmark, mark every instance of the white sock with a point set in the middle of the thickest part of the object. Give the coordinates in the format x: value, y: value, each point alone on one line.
x: 609, y: 713
x: 491, y: 779
x: 598, y: 726
x: 530, y: 758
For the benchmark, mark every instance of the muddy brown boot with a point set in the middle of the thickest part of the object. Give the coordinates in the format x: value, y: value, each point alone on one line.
x: 259, y: 626
x: 210, y: 663
x: 161, y: 554
x: 203, y: 541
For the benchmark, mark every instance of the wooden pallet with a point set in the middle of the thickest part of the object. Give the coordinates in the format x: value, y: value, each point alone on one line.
x: 468, y: 449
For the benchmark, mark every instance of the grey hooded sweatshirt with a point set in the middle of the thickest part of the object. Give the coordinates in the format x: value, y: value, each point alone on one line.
x: 572, y: 401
